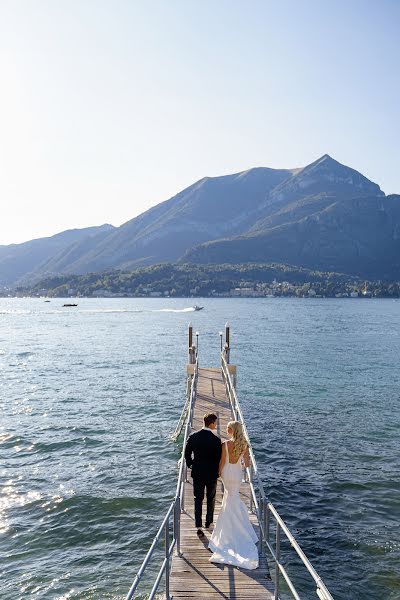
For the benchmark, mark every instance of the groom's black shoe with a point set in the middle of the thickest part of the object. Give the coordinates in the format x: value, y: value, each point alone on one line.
x: 208, y: 525
x: 200, y: 533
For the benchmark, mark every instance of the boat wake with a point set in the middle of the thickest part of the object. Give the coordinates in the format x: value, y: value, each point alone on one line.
x: 99, y: 311
x: 128, y: 310
x: 122, y: 310
x: 176, y: 310
x: 110, y: 310
x: 15, y: 312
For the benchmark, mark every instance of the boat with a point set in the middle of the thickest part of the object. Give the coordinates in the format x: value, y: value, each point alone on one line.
x: 70, y: 305
x: 197, y: 307
x: 47, y: 300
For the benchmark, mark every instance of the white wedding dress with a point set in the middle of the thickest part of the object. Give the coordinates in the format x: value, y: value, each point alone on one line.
x: 233, y: 539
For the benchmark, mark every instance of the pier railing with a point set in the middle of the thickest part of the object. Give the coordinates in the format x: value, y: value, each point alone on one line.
x: 173, y: 515
x: 183, y: 417
x: 265, y: 511
x: 267, y: 515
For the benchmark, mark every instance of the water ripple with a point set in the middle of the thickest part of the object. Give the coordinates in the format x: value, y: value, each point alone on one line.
x: 88, y: 399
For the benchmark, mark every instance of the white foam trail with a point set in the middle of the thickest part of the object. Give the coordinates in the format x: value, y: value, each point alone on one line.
x: 109, y: 310
x: 92, y: 311
x: 175, y: 310
x: 96, y: 311
x: 15, y: 312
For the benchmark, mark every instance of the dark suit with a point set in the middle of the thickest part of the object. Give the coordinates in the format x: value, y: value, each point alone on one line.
x: 202, y: 455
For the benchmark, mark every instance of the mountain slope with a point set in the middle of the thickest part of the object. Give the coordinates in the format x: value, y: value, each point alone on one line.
x: 211, y: 208
x: 356, y: 236
x: 61, y: 260
x: 313, y: 188
x: 19, y: 260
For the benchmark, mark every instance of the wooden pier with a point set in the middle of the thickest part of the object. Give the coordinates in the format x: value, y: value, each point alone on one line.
x: 186, y: 567
x: 192, y: 575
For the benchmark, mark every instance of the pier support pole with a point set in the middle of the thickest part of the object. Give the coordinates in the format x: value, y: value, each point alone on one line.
x: 190, y: 343
x: 227, y: 341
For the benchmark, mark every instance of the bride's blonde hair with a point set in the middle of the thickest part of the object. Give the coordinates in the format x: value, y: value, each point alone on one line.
x: 240, y: 443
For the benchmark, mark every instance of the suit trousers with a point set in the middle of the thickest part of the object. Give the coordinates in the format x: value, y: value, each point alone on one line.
x: 210, y: 485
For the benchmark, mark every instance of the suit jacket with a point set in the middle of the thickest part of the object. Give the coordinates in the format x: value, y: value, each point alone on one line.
x: 203, y: 453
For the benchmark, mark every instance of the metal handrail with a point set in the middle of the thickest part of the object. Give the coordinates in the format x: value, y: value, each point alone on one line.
x: 188, y: 422
x: 182, y: 418
x: 174, y: 509
x: 150, y: 552
x: 264, y: 509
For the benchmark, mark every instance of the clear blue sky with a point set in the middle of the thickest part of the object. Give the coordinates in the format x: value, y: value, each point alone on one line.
x: 109, y: 107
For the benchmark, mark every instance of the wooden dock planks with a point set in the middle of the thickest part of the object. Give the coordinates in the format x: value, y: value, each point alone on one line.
x: 192, y: 575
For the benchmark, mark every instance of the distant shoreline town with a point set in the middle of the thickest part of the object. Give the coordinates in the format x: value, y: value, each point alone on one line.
x: 215, y: 281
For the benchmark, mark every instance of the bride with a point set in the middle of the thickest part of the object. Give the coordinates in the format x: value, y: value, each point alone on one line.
x: 233, y: 539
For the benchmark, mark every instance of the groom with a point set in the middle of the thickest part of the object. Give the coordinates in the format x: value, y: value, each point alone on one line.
x: 202, y: 455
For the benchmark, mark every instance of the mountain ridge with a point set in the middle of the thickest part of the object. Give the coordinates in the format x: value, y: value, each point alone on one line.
x: 17, y: 261
x: 257, y: 214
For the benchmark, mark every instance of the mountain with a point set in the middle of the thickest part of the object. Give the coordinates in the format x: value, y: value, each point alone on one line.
x: 324, y: 216
x: 23, y: 261
x: 223, y: 207
x: 209, y: 209
x: 313, y: 188
x: 328, y: 217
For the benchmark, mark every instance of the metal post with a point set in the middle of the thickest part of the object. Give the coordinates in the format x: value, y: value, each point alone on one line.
x: 190, y: 343
x: 167, y: 557
x: 260, y: 518
x: 197, y: 343
x: 190, y: 335
x: 185, y: 478
x: 278, y: 558
x: 250, y: 482
x: 220, y: 337
x: 266, y: 522
x: 227, y: 341
x: 226, y: 353
x: 177, y: 525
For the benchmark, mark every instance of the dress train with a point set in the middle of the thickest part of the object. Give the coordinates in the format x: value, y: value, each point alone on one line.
x: 233, y: 539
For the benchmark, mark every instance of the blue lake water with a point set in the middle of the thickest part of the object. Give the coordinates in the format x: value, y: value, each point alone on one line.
x: 88, y: 399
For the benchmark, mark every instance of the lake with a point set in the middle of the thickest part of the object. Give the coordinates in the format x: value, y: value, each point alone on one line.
x: 90, y: 395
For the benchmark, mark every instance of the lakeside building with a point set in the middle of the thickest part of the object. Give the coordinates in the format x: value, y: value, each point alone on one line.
x: 103, y: 293
x: 246, y: 292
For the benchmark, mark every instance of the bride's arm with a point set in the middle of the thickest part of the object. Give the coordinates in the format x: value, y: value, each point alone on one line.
x: 246, y: 458
x: 223, y: 459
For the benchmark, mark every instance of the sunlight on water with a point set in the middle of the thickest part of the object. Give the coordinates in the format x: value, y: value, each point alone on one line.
x: 10, y: 498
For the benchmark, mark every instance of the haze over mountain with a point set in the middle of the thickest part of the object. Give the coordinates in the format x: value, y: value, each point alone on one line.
x: 324, y: 216
x: 18, y: 261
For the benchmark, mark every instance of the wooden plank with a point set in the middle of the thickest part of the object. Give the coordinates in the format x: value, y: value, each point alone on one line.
x: 193, y: 575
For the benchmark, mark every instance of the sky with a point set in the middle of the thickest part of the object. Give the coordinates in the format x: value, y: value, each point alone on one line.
x: 110, y: 107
